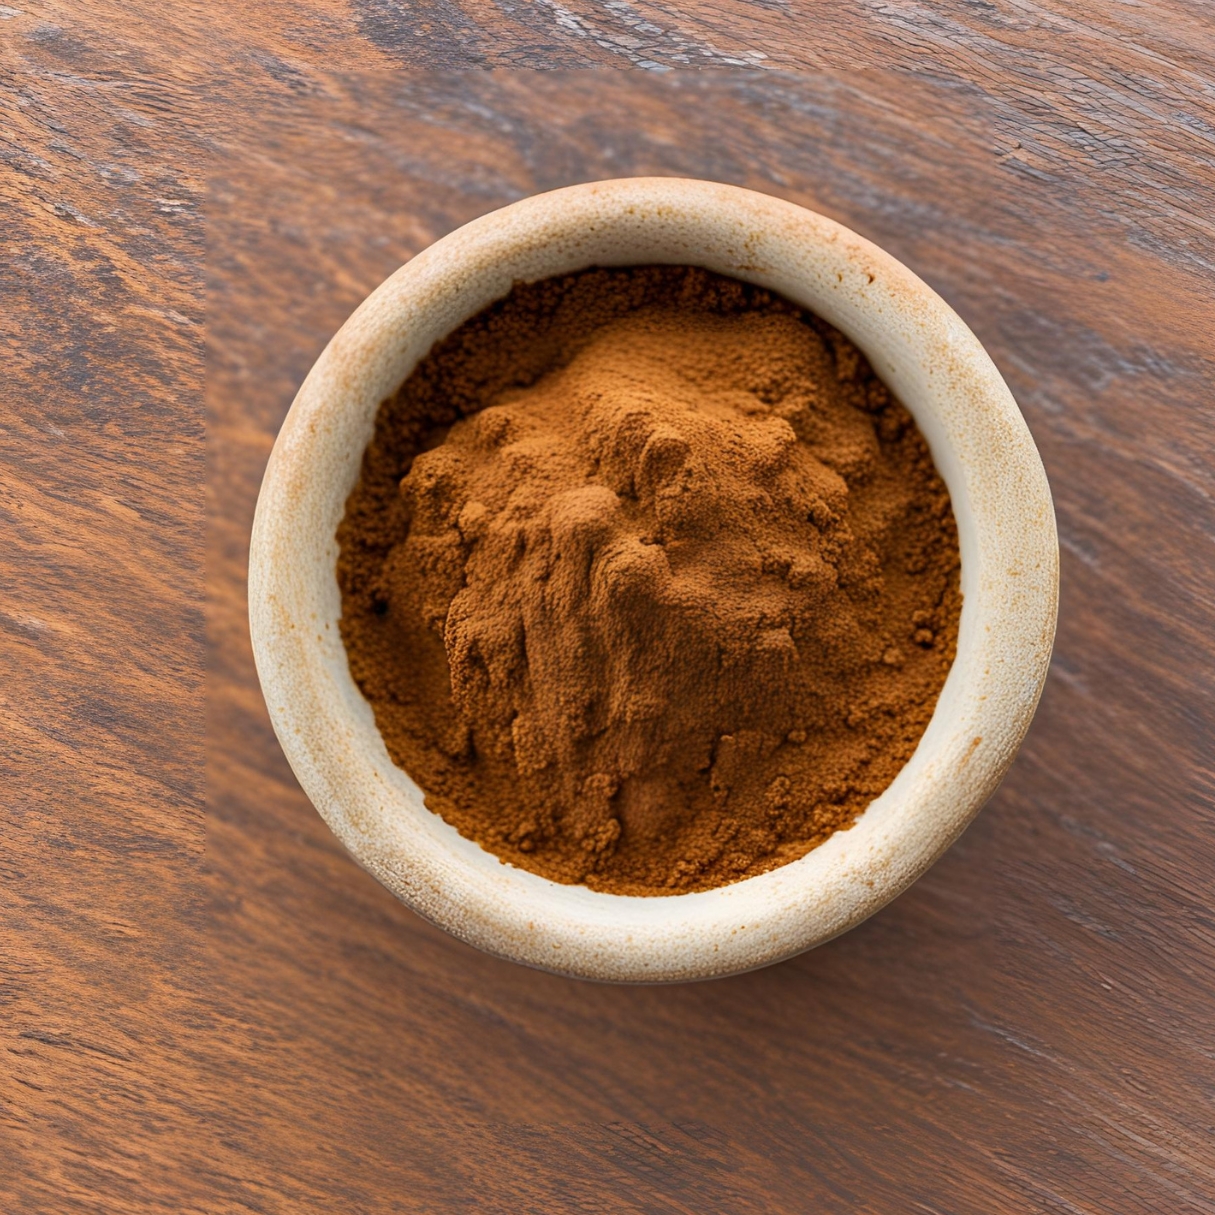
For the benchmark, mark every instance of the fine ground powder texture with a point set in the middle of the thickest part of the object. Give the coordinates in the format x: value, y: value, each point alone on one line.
x: 650, y: 582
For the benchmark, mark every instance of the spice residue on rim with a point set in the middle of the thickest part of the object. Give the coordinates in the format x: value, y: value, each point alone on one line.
x: 649, y: 581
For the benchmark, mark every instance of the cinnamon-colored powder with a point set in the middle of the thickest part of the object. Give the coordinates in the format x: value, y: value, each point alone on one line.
x: 649, y: 581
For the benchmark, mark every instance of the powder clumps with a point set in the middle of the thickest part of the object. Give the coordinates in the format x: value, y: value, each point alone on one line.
x: 650, y: 582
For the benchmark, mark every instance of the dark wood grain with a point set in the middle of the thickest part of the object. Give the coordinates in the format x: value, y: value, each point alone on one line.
x: 1028, y: 1029
x: 101, y: 624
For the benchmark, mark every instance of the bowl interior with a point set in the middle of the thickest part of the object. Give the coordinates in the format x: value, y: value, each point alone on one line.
x: 982, y: 449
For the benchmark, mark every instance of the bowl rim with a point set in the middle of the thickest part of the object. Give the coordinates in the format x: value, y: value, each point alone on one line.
x: 919, y: 347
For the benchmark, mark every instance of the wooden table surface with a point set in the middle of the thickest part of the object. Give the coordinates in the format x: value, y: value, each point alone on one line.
x: 205, y: 1006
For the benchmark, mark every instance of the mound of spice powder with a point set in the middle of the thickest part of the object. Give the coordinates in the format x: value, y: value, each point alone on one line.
x: 649, y: 581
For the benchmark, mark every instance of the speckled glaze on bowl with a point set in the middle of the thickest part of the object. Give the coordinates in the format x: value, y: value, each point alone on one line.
x: 982, y: 448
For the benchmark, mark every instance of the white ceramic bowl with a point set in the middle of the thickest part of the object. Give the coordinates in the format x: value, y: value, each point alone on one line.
x: 923, y: 352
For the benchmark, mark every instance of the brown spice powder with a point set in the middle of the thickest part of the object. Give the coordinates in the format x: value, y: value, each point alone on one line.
x: 650, y: 582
